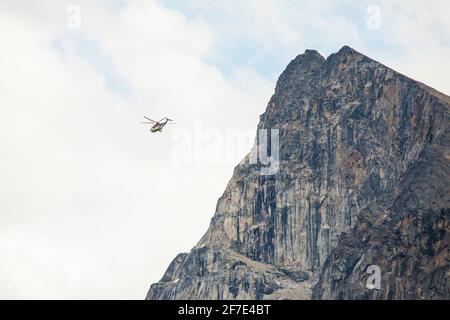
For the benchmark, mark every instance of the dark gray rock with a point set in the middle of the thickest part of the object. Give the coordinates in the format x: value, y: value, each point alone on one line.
x: 363, y: 180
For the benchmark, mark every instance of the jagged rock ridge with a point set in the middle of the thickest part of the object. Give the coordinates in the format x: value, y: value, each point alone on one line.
x: 363, y: 180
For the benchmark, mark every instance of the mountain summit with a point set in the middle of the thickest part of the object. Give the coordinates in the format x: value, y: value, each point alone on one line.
x: 361, y: 190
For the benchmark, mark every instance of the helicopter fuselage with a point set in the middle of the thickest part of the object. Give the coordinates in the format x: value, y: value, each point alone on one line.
x: 156, y: 128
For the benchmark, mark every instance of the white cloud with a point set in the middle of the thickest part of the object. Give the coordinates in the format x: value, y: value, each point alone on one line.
x: 84, y: 185
x: 420, y: 33
x: 413, y: 37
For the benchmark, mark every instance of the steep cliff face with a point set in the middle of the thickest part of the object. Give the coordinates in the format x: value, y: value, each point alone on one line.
x: 363, y: 179
x: 407, y: 236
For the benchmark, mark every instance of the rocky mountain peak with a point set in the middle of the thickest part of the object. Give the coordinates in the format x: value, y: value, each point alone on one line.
x: 347, y: 51
x: 363, y: 181
x: 312, y: 60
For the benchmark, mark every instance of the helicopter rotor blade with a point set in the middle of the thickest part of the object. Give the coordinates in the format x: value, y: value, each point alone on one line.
x: 150, y: 119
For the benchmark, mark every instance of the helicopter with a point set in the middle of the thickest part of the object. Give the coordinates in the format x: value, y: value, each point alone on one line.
x: 157, y: 125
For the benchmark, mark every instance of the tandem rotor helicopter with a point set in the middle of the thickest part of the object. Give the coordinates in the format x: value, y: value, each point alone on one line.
x: 157, y: 126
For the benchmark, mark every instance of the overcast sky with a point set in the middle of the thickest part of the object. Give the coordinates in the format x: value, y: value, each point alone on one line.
x: 94, y: 206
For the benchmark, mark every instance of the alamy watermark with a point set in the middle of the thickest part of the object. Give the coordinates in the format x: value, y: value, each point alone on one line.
x: 73, y: 279
x: 270, y: 164
x: 73, y: 21
x: 216, y: 147
x: 373, y: 19
x: 374, y: 280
